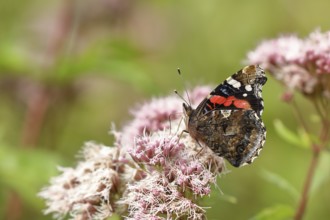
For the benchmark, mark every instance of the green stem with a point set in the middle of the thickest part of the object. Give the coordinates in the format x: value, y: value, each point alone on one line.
x: 299, y: 116
x: 324, y: 137
x: 308, y: 181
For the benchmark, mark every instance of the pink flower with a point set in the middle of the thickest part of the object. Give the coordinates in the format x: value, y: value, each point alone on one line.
x: 317, y: 51
x: 155, y: 150
x: 286, y: 49
x: 154, y: 171
x: 90, y: 188
x: 301, y: 64
x: 173, y: 171
x: 155, y: 197
x: 152, y: 116
x: 159, y: 114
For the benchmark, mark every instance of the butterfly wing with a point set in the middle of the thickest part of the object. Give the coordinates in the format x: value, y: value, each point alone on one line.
x: 228, y: 121
x: 242, y: 90
x: 236, y: 135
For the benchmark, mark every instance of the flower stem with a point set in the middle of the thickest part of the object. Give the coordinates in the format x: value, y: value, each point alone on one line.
x: 316, y: 148
x: 299, y: 116
x: 310, y: 174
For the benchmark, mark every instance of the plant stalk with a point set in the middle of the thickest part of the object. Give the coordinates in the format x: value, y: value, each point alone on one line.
x: 307, y: 185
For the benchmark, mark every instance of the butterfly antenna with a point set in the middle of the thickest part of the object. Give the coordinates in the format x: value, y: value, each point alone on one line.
x: 180, y: 96
x: 185, y: 89
x: 169, y: 118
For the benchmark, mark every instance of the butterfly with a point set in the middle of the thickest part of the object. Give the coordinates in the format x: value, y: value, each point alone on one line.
x: 228, y: 120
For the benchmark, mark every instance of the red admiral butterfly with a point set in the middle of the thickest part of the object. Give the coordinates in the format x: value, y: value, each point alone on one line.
x: 228, y: 120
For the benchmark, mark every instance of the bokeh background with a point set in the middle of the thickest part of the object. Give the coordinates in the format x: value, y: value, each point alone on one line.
x: 69, y: 68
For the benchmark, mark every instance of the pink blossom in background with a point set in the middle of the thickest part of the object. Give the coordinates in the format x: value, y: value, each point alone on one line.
x: 317, y: 51
x: 280, y: 51
x: 197, y: 94
x: 152, y: 116
x: 160, y: 113
x: 301, y: 64
x: 153, y: 171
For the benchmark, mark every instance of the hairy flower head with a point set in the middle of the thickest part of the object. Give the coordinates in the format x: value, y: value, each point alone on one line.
x: 156, y: 198
x: 159, y: 114
x: 301, y: 64
x: 154, y: 171
x: 89, y: 189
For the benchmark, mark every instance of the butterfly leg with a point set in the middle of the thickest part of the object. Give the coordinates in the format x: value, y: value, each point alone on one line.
x: 202, y: 148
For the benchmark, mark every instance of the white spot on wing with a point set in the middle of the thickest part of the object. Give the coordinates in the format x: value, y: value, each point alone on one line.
x: 226, y: 113
x: 257, y: 117
x: 248, y: 88
x: 233, y: 82
x: 253, y: 158
x: 244, y: 95
x: 244, y: 164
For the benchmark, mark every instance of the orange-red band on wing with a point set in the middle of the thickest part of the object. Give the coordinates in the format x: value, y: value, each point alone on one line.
x: 230, y: 100
x: 217, y: 99
x: 239, y: 103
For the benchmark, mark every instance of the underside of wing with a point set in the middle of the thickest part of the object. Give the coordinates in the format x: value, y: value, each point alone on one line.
x: 236, y: 135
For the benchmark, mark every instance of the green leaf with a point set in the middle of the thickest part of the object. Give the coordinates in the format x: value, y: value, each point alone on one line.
x: 277, y: 212
x: 281, y: 183
x: 13, y: 58
x: 26, y: 171
x: 114, y: 58
x: 229, y: 198
x: 301, y: 139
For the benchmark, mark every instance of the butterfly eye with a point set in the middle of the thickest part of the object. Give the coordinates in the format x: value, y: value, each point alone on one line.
x: 240, y: 148
x: 262, y: 80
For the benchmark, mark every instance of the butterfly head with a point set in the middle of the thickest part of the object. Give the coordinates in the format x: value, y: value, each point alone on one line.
x: 251, y: 75
x: 188, y: 111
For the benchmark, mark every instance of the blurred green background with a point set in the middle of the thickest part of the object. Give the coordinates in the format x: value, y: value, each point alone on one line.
x: 70, y: 68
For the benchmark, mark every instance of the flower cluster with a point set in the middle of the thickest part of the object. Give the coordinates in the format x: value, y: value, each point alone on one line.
x: 159, y: 114
x: 155, y: 196
x: 302, y: 64
x: 154, y: 171
x: 173, y: 171
x: 91, y: 186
